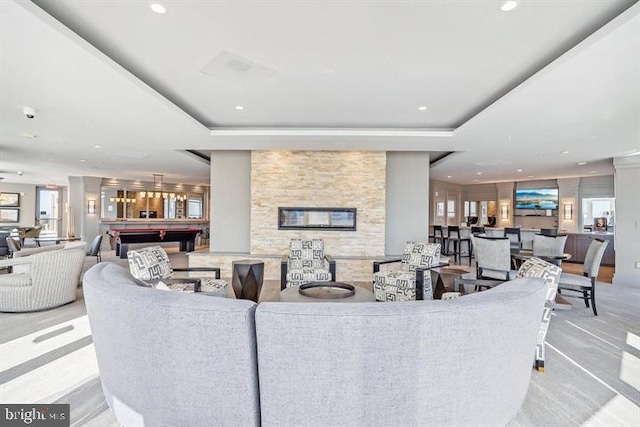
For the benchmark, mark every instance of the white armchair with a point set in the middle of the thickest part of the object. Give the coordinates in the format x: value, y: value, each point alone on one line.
x: 42, y: 280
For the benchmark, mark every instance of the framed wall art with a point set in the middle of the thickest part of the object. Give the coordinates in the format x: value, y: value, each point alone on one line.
x: 10, y: 200
x: 9, y: 215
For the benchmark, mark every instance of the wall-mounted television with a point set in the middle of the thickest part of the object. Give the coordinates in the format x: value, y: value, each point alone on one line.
x: 538, y: 198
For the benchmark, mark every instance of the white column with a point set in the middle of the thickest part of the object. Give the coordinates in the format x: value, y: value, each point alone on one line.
x: 505, y: 198
x: 627, y: 230
x: 568, y: 199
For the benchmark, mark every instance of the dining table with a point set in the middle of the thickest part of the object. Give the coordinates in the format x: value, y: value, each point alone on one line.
x: 519, y: 255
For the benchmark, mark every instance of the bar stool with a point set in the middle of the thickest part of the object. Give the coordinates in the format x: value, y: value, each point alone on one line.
x: 438, y: 237
x: 453, y: 236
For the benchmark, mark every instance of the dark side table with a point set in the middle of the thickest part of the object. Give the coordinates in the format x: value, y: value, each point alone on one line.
x: 247, y: 279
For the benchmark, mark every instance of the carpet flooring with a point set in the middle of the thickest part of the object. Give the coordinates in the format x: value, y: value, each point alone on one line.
x: 592, y: 373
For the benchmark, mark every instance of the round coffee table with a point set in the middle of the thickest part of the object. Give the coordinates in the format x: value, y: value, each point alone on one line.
x: 292, y: 294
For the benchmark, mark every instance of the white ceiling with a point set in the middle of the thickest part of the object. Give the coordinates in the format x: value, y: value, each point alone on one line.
x: 505, y: 91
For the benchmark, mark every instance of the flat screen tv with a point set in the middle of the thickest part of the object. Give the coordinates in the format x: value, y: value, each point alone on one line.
x: 539, y: 198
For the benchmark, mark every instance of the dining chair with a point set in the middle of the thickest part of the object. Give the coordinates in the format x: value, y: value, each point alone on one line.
x: 549, y: 231
x: 13, y: 244
x: 477, y: 230
x: 4, y: 246
x: 493, y: 258
x: 514, y: 236
x: 94, y: 249
x: 547, y: 247
x: 585, y: 285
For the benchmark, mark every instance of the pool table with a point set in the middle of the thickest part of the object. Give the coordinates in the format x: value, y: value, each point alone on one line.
x: 126, y: 236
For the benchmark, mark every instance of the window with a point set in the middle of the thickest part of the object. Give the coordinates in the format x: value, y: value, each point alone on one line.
x: 194, y: 208
x: 600, y: 207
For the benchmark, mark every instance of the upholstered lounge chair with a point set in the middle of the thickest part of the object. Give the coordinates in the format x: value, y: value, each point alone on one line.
x: 408, y: 281
x: 306, y: 262
x: 41, y: 280
x: 29, y: 233
x: 152, y: 266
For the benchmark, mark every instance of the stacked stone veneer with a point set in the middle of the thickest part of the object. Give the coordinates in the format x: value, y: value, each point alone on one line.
x: 341, y: 179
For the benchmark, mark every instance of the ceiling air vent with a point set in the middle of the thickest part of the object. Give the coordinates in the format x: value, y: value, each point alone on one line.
x: 230, y: 68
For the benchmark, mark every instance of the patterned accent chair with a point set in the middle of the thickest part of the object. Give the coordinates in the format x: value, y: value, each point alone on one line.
x: 535, y: 267
x: 305, y: 263
x: 408, y: 282
x: 151, y: 265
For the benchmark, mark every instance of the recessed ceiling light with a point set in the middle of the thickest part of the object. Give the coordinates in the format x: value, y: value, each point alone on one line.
x: 529, y: 176
x: 564, y: 152
x: 582, y: 163
x: 478, y: 173
x: 239, y: 107
x: 82, y: 160
x: 593, y: 171
x: 158, y: 8
x: 29, y: 135
x: 518, y: 170
x: 448, y: 176
x: 509, y: 5
x: 423, y: 108
x: 97, y: 146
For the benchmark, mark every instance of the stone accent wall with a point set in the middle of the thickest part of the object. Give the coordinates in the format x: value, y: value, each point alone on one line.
x: 319, y: 179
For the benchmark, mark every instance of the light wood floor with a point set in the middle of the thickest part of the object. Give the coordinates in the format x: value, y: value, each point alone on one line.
x: 592, y: 369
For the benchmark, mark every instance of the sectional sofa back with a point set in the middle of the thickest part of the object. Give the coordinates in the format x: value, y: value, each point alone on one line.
x: 174, y: 359
x: 459, y: 362
x: 169, y: 359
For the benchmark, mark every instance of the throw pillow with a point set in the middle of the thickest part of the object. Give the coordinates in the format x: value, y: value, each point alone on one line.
x: 150, y: 263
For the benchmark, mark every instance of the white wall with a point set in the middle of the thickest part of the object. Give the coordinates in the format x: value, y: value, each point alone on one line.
x: 627, y: 230
x: 407, y: 201
x: 88, y: 225
x: 230, y: 207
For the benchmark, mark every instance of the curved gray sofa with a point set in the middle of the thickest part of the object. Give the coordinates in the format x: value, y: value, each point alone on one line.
x: 171, y: 358
x: 168, y: 358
